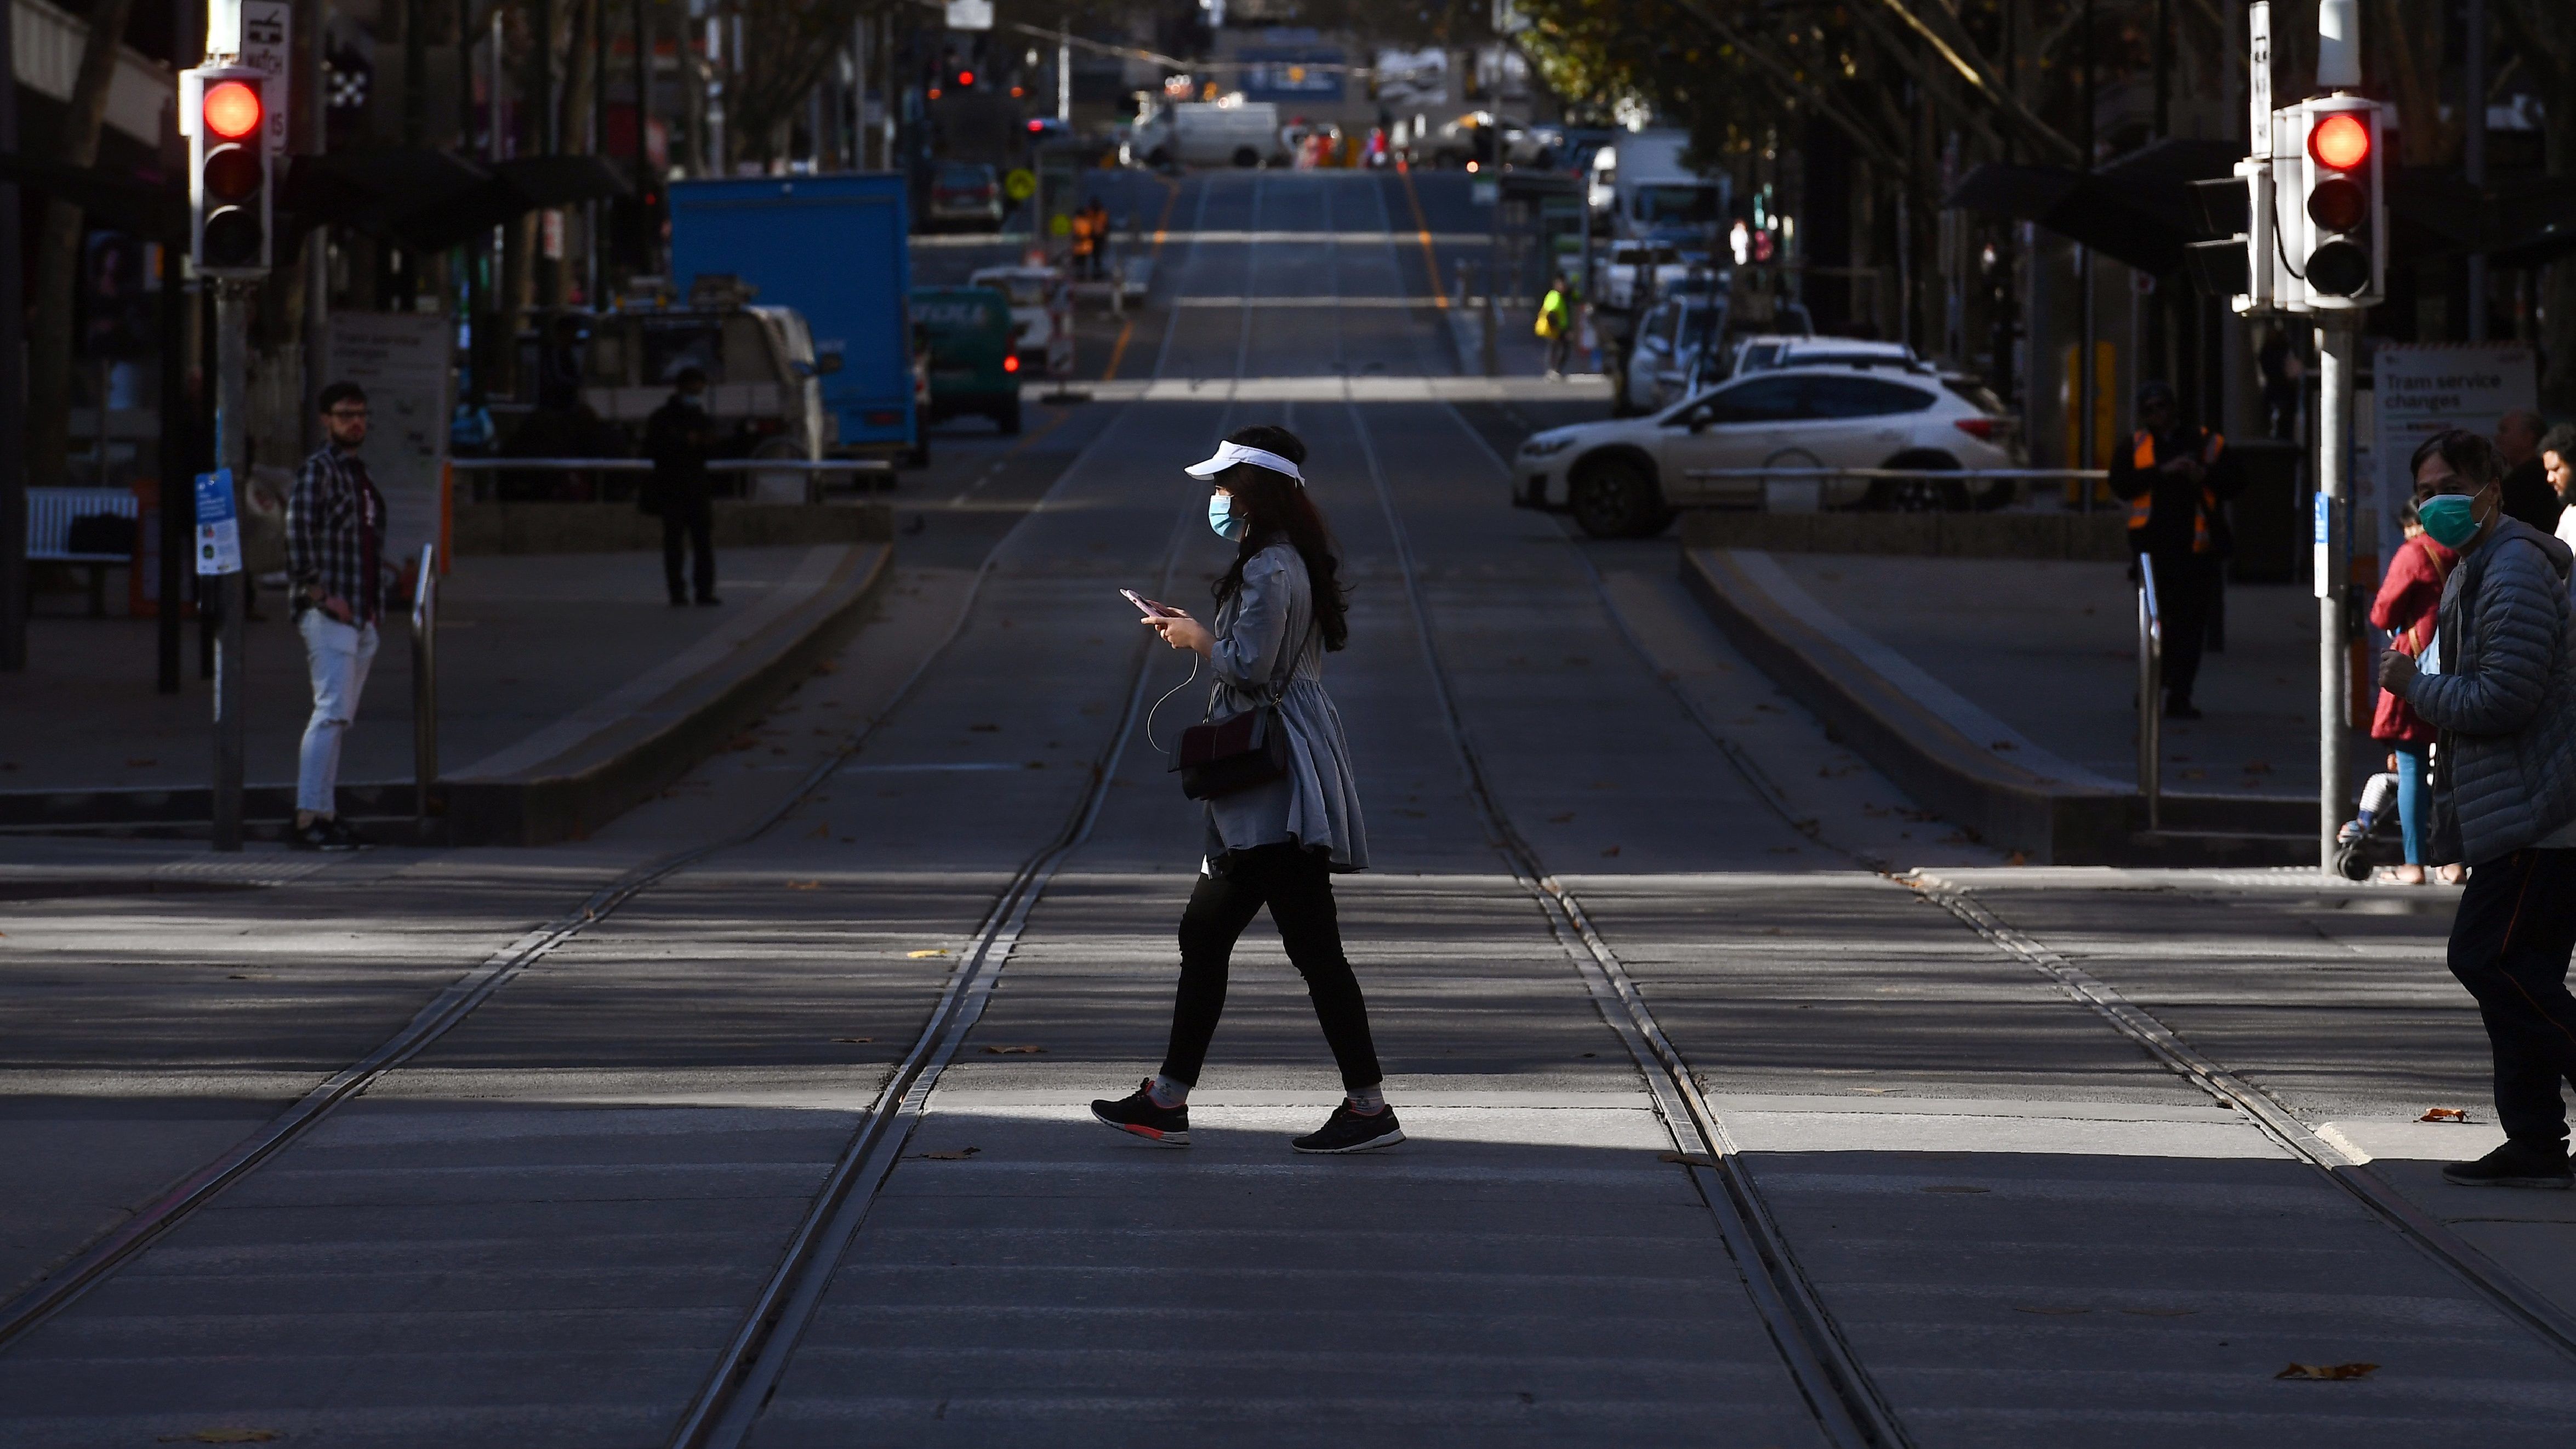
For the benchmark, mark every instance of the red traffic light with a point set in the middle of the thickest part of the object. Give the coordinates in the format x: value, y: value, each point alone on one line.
x: 1036, y: 126
x: 232, y: 110
x: 965, y: 78
x: 2340, y: 142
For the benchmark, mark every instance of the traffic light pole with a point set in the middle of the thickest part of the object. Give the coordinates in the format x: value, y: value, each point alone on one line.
x: 2336, y: 350
x: 231, y: 592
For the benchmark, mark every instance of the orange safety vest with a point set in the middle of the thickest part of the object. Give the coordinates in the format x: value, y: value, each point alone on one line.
x: 2143, y: 507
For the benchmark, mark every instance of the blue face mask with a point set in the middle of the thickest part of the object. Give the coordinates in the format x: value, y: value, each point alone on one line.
x: 1222, y: 517
x: 2449, y: 519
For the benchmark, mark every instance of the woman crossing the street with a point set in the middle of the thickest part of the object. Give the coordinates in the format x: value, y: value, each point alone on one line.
x: 1282, y: 811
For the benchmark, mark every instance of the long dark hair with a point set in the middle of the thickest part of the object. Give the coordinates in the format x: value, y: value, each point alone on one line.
x: 1279, y: 509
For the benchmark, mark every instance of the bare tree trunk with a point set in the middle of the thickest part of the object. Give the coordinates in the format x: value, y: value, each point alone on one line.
x: 49, y: 341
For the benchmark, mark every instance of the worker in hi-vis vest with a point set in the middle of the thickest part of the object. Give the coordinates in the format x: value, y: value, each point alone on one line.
x: 2176, y: 480
x: 1556, y: 323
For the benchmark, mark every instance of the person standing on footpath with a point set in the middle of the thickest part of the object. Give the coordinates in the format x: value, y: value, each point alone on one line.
x: 679, y: 437
x: 2176, y: 481
x: 1277, y: 844
x: 2527, y: 494
x: 335, y: 562
x: 2408, y: 598
x: 2499, y: 683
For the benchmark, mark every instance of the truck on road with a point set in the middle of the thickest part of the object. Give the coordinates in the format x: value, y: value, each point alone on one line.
x: 1642, y: 189
x: 834, y: 249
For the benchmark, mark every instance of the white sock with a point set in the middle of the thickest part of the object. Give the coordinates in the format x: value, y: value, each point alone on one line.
x: 1368, y: 1101
x: 1165, y: 1093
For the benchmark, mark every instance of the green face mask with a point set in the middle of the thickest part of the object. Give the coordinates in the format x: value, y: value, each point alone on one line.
x: 2449, y: 519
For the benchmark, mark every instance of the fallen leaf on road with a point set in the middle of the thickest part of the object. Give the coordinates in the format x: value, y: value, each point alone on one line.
x: 1015, y: 1051
x: 1687, y: 1159
x: 984, y: 729
x: 224, y: 1436
x: 2444, y: 1114
x: 1955, y: 1187
x: 2003, y: 745
x: 2018, y: 857
x: 804, y: 885
x: 2047, y: 1311
x: 855, y: 1040
x: 2327, y: 1371
x: 2263, y: 767
x: 820, y: 832
x: 960, y: 1155
x: 923, y: 955
x: 1560, y: 819
x: 1613, y: 850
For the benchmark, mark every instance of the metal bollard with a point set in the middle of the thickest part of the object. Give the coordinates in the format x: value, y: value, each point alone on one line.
x: 2151, y: 668
x: 424, y: 691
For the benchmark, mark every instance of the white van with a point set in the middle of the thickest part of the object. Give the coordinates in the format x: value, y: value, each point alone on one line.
x: 1204, y: 133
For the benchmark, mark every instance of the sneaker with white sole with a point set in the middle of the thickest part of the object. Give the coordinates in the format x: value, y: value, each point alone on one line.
x: 1136, y: 1115
x: 1348, y: 1130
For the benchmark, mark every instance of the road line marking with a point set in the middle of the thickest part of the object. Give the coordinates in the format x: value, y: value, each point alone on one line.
x: 1422, y: 229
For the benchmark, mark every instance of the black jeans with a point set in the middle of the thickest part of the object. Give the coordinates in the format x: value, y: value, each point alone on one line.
x: 2509, y: 945
x: 697, y: 525
x: 2186, y: 595
x: 1294, y: 883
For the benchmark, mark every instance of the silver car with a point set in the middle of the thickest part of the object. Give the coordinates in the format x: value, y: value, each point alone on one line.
x: 1624, y: 477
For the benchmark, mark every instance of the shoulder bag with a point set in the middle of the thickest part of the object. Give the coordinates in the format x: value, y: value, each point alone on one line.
x: 1216, y: 758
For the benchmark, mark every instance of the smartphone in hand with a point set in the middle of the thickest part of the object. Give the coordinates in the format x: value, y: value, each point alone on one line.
x: 1145, y: 606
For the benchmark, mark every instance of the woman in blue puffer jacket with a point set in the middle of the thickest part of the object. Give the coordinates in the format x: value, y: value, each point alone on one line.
x: 2499, y: 684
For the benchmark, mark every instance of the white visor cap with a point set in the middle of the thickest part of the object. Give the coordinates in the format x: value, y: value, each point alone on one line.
x: 1229, y: 454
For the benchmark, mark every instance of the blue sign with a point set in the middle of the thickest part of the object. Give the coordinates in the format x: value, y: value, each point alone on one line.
x: 215, y: 496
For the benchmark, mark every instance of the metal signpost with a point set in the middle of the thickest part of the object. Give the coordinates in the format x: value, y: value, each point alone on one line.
x: 219, y: 564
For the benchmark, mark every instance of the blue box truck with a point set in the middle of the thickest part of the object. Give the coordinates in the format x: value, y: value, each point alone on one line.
x: 834, y: 248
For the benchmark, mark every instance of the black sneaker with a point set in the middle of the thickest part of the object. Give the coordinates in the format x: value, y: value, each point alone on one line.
x: 345, y: 835
x: 2515, y: 1164
x: 1350, y: 1131
x: 320, y: 835
x: 2178, y: 707
x: 1136, y: 1114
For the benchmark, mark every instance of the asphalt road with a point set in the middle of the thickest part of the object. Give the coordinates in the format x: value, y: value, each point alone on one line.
x: 548, y: 1227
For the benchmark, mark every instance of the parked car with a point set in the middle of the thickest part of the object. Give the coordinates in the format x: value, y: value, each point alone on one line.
x: 966, y: 193
x: 1626, y: 262
x: 1768, y: 351
x: 1031, y: 292
x: 1619, y: 477
x: 974, y: 369
x: 1670, y: 340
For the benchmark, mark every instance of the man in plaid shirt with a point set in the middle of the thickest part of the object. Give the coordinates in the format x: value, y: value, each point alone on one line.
x: 335, y: 553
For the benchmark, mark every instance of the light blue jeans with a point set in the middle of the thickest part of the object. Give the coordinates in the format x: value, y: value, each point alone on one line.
x: 339, y: 655
x: 2414, y: 797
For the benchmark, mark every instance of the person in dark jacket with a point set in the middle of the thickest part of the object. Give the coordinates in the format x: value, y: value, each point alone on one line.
x: 2175, y: 480
x: 2499, y: 684
x: 2527, y: 494
x: 679, y: 437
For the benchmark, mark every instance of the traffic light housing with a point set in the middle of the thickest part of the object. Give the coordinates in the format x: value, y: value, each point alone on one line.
x: 2342, y: 219
x: 230, y: 169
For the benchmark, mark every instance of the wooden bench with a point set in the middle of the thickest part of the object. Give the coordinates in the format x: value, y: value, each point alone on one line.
x: 50, y: 513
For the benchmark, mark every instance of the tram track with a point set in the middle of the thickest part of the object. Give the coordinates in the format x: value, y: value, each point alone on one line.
x: 462, y: 998
x: 2268, y: 1114
x: 728, y: 1405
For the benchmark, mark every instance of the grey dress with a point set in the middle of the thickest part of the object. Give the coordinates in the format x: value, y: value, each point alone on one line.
x: 1318, y: 804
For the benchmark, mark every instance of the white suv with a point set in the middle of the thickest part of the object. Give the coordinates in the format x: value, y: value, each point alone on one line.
x: 1622, y: 478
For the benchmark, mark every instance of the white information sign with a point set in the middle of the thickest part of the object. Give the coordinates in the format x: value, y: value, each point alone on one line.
x: 267, y: 34
x: 970, y: 14
x: 218, y: 526
x: 402, y: 360
x: 2419, y: 390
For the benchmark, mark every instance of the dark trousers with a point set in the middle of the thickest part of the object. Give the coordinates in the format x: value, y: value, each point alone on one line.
x: 1559, y: 349
x: 2186, y: 596
x: 2509, y: 945
x: 1294, y: 883
x: 698, y: 527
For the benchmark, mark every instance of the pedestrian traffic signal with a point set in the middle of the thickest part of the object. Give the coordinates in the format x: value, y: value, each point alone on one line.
x: 225, y: 111
x: 2346, y: 230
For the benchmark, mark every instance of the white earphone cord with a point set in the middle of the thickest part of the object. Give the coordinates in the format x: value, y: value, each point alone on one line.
x: 1167, y: 695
